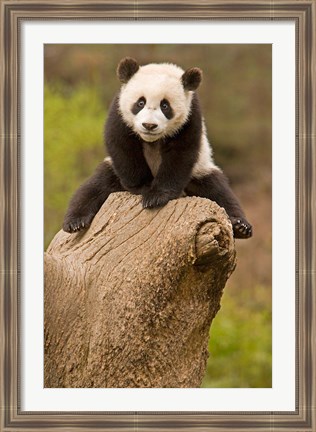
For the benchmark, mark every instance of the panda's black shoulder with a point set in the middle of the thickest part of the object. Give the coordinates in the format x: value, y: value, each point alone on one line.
x: 115, y: 126
x: 193, y: 125
x: 114, y: 117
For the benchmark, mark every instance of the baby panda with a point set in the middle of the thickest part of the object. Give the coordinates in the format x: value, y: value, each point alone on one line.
x: 157, y: 146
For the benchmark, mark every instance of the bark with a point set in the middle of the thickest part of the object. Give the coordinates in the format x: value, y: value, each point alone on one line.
x: 130, y: 301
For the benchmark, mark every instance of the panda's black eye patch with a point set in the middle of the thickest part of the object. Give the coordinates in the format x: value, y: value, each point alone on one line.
x: 138, y: 105
x: 141, y: 103
x: 166, y: 109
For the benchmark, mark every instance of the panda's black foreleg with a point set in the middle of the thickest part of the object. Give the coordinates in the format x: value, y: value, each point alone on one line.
x: 215, y: 187
x: 89, y: 198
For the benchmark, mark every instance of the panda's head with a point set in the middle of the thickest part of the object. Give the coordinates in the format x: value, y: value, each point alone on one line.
x: 155, y: 99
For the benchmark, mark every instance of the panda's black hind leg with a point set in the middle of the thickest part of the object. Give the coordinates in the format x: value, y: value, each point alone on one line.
x: 215, y: 187
x: 89, y: 198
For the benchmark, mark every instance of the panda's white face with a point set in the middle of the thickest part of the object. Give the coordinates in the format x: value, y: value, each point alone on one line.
x: 154, y: 102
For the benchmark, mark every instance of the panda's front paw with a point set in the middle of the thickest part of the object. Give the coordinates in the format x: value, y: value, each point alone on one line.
x: 155, y: 198
x: 241, y: 227
x: 74, y: 224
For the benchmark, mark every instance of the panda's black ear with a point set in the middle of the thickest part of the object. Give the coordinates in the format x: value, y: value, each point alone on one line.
x: 127, y: 67
x: 191, y: 78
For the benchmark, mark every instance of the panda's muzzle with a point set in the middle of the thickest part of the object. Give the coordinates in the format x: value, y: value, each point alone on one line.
x: 150, y: 126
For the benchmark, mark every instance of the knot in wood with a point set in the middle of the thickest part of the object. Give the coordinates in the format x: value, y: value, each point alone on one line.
x: 213, y: 241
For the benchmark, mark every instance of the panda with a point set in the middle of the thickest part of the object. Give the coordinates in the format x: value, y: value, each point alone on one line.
x: 158, y: 147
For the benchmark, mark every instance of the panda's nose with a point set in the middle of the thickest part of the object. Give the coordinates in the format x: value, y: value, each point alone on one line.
x: 150, y: 126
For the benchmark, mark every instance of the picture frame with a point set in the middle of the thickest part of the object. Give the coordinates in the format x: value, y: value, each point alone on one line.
x: 303, y: 13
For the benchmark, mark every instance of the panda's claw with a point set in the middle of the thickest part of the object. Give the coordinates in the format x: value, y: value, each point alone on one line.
x: 78, y: 223
x: 242, y: 228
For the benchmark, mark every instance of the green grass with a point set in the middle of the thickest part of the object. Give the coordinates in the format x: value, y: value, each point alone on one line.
x: 240, y: 346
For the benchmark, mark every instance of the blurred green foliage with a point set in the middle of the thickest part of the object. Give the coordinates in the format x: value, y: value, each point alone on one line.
x: 236, y: 97
x: 73, y: 146
x: 240, y: 351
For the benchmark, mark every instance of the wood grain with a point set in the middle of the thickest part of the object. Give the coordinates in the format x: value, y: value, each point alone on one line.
x: 302, y: 12
x: 129, y: 303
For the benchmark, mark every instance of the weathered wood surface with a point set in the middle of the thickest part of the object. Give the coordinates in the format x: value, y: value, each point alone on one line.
x: 129, y: 302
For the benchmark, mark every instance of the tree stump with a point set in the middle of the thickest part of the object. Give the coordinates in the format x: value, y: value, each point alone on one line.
x: 129, y: 302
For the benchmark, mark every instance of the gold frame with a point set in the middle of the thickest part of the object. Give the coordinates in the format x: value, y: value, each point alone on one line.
x: 303, y: 13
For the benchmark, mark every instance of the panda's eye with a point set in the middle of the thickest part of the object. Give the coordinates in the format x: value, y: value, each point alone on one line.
x: 138, y: 105
x: 164, y: 105
x: 141, y: 103
x: 166, y: 109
